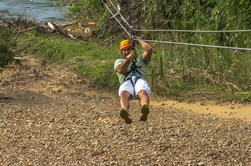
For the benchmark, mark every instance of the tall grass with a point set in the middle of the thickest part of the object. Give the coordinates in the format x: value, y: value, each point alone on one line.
x: 176, y: 69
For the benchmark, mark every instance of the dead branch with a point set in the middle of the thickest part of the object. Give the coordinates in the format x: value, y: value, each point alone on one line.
x: 25, y: 30
x: 232, y: 86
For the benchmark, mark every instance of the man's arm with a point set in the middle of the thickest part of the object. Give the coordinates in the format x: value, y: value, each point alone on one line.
x: 147, y: 51
x: 122, y: 68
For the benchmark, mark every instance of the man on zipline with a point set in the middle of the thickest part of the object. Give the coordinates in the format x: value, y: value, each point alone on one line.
x: 132, y: 73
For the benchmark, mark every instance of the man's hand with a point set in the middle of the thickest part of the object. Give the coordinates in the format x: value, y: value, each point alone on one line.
x: 123, y: 67
x: 132, y: 55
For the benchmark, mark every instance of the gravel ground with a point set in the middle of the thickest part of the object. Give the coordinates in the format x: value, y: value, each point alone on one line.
x: 49, y: 116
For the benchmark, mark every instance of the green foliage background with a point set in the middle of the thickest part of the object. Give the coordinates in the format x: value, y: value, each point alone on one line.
x: 6, y: 56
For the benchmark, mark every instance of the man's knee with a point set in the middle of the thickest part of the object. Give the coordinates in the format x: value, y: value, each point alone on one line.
x: 142, y: 93
x: 125, y: 94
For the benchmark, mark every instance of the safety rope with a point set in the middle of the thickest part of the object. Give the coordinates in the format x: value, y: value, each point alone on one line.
x: 194, y: 31
x: 192, y: 44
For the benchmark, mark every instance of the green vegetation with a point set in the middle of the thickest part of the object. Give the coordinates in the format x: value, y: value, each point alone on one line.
x: 185, y: 72
x: 222, y: 71
x: 92, y: 59
x: 6, y: 56
x: 178, y: 69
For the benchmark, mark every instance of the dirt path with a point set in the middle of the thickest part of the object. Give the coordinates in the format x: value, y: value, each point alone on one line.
x: 221, y: 110
x: 50, y: 116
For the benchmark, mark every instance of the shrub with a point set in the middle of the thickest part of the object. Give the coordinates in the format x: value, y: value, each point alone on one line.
x: 6, y: 56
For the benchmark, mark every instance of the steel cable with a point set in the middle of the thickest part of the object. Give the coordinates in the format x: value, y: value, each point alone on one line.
x: 194, y: 31
x: 192, y: 44
x: 122, y: 17
x: 116, y: 18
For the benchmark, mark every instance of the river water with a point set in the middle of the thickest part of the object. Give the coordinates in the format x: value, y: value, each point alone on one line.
x: 36, y: 10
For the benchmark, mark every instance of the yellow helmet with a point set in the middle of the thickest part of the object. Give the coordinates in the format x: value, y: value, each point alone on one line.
x: 124, y: 43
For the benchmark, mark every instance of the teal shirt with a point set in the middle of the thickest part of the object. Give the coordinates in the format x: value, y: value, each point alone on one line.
x: 142, y: 70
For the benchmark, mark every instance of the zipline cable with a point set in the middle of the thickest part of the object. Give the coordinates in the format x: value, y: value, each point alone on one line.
x: 122, y: 17
x: 192, y: 44
x: 116, y: 18
x: 195, y: 31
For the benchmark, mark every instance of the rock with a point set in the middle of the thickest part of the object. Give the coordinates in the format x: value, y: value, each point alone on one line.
x: 201, y: 164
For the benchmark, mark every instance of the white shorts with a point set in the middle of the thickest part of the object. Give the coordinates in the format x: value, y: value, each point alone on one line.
x: 140, y: 85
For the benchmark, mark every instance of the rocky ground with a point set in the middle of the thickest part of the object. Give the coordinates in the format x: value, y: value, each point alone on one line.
x: 50, y: 116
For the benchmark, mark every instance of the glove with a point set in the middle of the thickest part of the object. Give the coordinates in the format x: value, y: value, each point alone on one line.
x: 132, y: 55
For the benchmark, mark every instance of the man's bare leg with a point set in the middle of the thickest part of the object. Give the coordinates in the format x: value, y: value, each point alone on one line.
x: 144, y: 102
x: 124, y: 102
x: 143, y: 97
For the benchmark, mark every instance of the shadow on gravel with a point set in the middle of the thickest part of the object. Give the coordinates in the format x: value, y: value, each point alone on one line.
x: 24, y: 97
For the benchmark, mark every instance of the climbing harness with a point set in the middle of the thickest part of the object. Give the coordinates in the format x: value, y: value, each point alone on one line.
x: 134, y: 68
x: 133, y: 72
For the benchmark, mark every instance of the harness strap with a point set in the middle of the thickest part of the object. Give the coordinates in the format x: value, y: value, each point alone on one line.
x: 133, y: 71
x: 136, y: 79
